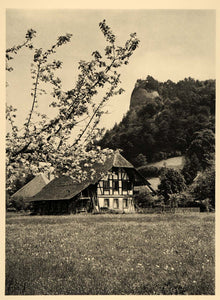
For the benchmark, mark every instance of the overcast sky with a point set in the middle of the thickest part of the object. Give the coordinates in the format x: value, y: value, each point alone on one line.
x: 174, y: 44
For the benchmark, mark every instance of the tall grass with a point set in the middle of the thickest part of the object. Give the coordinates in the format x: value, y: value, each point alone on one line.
x: 110, y: 255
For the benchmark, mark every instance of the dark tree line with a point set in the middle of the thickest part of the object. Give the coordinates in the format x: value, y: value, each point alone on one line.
x: 167, y: 119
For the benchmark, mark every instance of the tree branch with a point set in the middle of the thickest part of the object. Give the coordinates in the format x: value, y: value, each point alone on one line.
x: 34, y: 97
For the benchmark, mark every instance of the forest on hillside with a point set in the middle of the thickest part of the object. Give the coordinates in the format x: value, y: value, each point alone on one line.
x: 168, y: 119
x: 164, y: 119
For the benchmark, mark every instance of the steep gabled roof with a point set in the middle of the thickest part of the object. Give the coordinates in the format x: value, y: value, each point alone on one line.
x: 120, y: 162
x: 65, y: 187
x: 32, y: 187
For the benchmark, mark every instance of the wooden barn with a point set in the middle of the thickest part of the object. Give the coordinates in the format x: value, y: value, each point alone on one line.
x: 113, y: 191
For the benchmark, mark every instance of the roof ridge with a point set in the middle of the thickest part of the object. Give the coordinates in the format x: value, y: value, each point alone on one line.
x: 44, y: 177
x: 114, y: 158
x: 118, y: 156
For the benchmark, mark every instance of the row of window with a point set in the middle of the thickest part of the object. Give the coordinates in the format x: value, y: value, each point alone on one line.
x: 116, y: 203
x: 126, y: 185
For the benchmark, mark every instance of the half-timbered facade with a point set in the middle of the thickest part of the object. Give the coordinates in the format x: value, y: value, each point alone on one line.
x: 112, y: 191
x: 115, y: 191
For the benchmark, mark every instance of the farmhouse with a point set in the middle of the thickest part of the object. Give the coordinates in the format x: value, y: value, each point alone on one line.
x: 114, y: 190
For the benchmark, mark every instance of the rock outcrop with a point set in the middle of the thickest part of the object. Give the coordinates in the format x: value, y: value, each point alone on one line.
x: 141, y: 96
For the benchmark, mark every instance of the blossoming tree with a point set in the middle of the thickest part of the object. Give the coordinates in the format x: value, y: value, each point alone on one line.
x: 43, y: 143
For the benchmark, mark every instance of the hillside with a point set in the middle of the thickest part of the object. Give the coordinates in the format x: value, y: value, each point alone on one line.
x: 164, y: 119
x: 152, y: 169
x: 174, y: 163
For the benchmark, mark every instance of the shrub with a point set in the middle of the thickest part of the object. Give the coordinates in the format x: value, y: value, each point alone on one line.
x: 171, y: 182
x: 183, y: 199
x: 106, y: 210
x: 143, y: 200
x: 19, y: 204
x: 150, y: 172
x: 203, y: 188
x: 140, y: 160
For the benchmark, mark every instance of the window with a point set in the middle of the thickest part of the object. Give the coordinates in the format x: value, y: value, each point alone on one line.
x: 106, y: 202
x: 106, y: 185
x: 126, y: 185
x: 115, y: 185
x: 116, y: 203
x: 125, y: 203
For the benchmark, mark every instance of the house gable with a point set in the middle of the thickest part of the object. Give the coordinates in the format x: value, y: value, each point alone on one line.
x: 115, y: 191
x: 115, y: 182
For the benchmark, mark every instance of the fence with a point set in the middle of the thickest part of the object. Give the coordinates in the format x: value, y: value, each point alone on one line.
x: 184, y: 210
x: 167, y: 209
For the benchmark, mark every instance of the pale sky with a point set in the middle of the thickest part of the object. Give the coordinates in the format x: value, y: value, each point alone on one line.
x: 174, y: 44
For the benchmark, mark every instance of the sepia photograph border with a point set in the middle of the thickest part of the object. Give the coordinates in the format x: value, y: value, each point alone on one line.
x: 100, y: 5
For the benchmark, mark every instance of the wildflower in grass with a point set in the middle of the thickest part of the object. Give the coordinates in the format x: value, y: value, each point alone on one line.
x: 110, y: 272
x: 140, y: 266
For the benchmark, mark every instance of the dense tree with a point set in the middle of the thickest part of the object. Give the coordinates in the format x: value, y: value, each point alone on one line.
x: 43, y: 144
x: 171, y: 182
x: 143, y: 200
x: 203, y: 145
x: 140, y: 160
x: 191, y: 168
x: 168, y: 122
x: 200, y: 154
x: 203, y: 188
x: 150, y: 171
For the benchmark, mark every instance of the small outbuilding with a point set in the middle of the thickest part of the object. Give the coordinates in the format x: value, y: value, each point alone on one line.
x: 32, y: 187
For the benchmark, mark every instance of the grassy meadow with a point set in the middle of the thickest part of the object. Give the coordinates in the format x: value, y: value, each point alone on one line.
x: 110, y: 254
